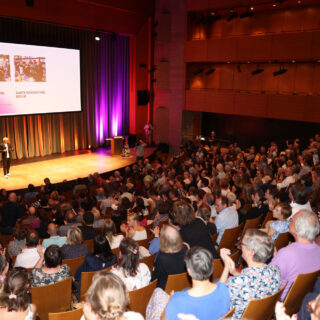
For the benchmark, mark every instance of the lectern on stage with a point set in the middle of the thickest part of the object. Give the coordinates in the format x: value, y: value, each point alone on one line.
x: 116, y: 145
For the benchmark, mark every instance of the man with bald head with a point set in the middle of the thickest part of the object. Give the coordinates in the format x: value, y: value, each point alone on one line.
x: 54, y: 237
x: 10, y: 212
x: 303, y: 255
x: 171, y: 256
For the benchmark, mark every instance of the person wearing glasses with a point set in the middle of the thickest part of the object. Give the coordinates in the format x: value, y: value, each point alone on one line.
x: 258, y: 280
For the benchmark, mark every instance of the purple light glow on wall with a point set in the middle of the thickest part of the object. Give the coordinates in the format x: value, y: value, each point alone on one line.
x: 112, y: 87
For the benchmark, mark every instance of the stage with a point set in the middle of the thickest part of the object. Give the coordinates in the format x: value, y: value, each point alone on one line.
x: 67, y: 166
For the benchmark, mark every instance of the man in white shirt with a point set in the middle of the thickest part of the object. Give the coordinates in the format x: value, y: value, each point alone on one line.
x: 290, y: 178
x: 227, y: 217
x: 6, y: 157
x: 29, y: 255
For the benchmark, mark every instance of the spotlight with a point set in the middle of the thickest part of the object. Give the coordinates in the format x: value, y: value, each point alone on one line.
x: 97, y: 36
x: 198, y: 71
x: 280, y: 71
x: 232, y: 15
x: 211, y: 70
x: 257, y: 71
x: 153, y: 69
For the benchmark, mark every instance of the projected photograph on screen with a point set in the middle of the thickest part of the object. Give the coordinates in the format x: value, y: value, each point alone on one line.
x: 5, y: 74
x: 30, y: 69
x: 38, y: 79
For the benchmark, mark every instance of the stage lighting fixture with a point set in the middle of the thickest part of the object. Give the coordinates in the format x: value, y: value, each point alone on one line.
x: 97, y: 36
x: 211, y: 70
x: 246, y: 14
x: 257, y: 71
x: 232, y: 16
x: 280, y: 71
x: 153, y: 69
x: 198, y: 71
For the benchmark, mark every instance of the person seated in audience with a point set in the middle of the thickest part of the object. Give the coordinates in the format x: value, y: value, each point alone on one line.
x: 10, y: 212
x: 110, y: 232
x: 88, y: 232
x: 258, y: 280
x: 101, y: 258
x: 193, y: 231
x: 29, y: 255
x: 31, y: 194
x: 204, y: 300
x: 80, y: 186
x: 303, y: 255
x: 134, y: 274
x: 49, y: 269
x: 16, y: 245
x: 74, y: 247
x: 227, y: 217
x: 299, y: 195
x: 54, y: 237
x: 70, y: 221
x: 281, y: 212
x: 4, y: 267
x: 30, y: 217
x: 15, y: 297
x: 162, y: 213
x: 107, y: 298
x: 170, y: 259
x: 204, y: 213
x: 133, y: 228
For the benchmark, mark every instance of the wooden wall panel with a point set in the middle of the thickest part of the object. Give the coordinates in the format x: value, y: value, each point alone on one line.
x: 254, y: 48
x: 222, y: 49
x: 304, y: 78
x: 315, y: 49
x: 311, y: 18
x: 292, y: 20
x: 213, y: 80
x: 197, y: 5
x: 226, y: 77
x: 299, y: 108
x: 250, y: 104
x: 286, y: 80
x: 316, y: 79
x: 293, y: 46
x: 196, y: 51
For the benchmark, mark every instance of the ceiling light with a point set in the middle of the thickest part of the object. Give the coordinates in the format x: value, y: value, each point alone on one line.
x: 97, y: 36
x: 251, y: 8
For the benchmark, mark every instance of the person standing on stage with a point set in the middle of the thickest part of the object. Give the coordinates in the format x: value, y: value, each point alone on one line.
x: 140, y: 149
x: 6, y: 149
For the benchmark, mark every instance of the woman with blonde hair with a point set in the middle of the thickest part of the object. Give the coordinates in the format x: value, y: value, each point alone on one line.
x: 74, y: 247
x: 108, y: 299
x: 110, y: 232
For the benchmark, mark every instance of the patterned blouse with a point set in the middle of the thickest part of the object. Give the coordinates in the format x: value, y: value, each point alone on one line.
x: 252, y: 283
x: 279, y: 227
x: 40, y: 278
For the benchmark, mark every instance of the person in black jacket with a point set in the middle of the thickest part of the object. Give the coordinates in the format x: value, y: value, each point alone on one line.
x: 10, y: 212
x: 88, y: 232
x: 193, y: 231
x: 171, y: 256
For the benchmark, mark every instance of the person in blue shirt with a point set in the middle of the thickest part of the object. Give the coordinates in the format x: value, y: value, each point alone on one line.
x: 205, y: 300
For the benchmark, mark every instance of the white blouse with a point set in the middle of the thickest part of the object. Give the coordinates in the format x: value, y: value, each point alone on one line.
x: 140, y: 280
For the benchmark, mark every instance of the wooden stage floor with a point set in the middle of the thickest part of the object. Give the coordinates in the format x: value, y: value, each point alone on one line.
x: 65, y: 167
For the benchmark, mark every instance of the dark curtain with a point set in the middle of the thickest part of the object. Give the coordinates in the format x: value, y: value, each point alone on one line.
x: 105, y: 91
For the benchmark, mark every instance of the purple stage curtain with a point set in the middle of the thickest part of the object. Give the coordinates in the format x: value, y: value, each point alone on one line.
x: 105, y: 91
